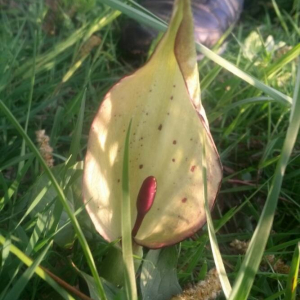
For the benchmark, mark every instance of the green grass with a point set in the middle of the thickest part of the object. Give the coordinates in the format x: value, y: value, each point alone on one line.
x: 251, y: 96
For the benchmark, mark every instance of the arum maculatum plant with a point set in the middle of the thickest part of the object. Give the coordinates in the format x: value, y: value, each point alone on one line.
x: 168, y: 129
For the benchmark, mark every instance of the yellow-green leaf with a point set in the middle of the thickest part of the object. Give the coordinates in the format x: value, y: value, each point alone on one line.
x: 163, y: 100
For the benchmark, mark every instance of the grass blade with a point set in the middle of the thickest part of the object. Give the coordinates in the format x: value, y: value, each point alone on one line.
x: 14, y: 186
x: 251, y: 262
x: 32, y: 81
x: 292, y: 54
x: 130, y: 283
x: 212, y: 234
x: 21, y: 283
x: 75, y: 144
x: 291, y: 287
x: 279, y: 15
x: 38, y: 270
x: 138, y: 15
x: 61, y: 197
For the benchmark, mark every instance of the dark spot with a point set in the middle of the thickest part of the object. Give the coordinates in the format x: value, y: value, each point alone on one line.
x: 124, y: 130
x: 174, y: 85
x: 150, y: 91
x: 191, y: 139
x: 168, y: 114
x: 193, y: 168
x: 174, y: 142
x: 173, y: 159
x: 141, y: 166
x: 118, y: 180
x: 160, y: 127
x: 147, y: 114
x: 171, y: 97
x: 141, y: 138
x: 183, y: 200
